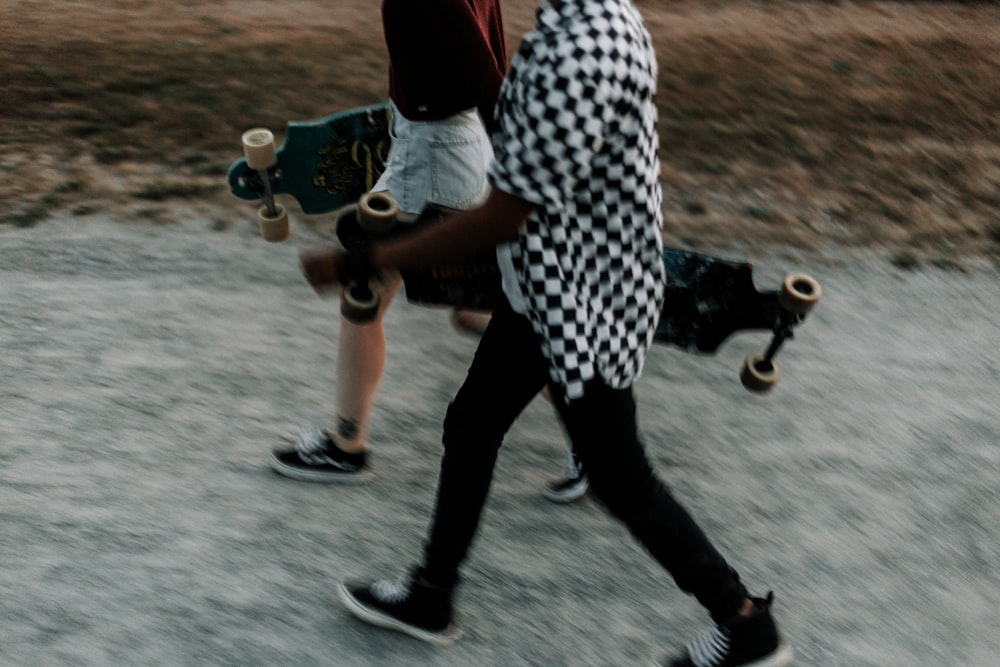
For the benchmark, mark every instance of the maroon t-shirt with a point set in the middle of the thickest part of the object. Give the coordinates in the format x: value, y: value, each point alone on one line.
x: 444, y: 56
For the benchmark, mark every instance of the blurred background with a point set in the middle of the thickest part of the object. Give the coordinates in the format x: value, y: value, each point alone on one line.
x: 862, y: 124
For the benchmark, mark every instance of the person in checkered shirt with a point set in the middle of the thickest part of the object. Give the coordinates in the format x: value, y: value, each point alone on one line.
x: 575, y: 210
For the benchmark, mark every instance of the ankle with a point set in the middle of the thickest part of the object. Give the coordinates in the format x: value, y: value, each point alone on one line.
x: 348, y: 436
x: 748, y: 609
x: 435, y: 581
x: 349, y: 446
x: 352, y: 446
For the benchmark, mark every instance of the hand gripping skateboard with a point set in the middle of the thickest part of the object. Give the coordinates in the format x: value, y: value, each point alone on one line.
x: 473, y: 284
x: 324, y: 164
x: 707, y: 299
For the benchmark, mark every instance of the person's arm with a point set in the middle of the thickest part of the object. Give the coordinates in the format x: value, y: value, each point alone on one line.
x: 454, y: 238
x: 458, y: 236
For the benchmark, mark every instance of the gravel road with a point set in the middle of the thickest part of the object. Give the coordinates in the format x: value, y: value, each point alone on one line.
x: 147, y: 369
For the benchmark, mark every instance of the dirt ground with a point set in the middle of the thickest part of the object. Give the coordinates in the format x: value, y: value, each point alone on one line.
x: 155, y: 348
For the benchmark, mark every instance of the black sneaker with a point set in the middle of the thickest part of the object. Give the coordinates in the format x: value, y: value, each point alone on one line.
x: 570, y: 488
x: 750, y: 642
x: 412, y: 607
x: 317, y: 458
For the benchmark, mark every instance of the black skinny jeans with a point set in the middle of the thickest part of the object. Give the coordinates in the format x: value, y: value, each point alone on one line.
x: 507, y: 372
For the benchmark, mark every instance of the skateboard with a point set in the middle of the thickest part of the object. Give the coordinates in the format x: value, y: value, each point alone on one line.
x: 330, y: 164
x: 707, y: 299
x: 323, y: 164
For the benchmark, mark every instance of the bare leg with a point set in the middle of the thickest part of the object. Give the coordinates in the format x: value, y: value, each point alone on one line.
x: 361, y: 353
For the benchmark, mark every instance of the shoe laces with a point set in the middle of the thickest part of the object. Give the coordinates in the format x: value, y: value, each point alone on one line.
x: 711, y: 648
x: 573, y: 469
x: 391, y: 592
x: 310, y: 442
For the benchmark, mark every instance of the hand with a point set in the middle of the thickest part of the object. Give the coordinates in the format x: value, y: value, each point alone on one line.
x: 322, y: 269
x: 325, y: 268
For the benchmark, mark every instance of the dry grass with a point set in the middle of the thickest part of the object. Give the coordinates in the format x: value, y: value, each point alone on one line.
x: 811, y: 123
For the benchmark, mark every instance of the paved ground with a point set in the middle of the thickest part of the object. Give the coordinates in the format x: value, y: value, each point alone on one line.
x: 147, y: 370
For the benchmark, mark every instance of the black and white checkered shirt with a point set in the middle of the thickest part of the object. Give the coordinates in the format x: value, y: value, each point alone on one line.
x: 577, y: 138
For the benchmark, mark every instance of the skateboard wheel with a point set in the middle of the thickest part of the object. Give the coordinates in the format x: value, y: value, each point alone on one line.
x: 274, y: 228
x: 758, y: 374
x: 258, y: 147
x: 799, y: 293
x: 359, y: 303
x: 377, y: 212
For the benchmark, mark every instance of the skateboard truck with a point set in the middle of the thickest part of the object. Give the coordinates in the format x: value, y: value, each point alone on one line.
x: 323, y: 164
x: 374, y: 215
x: 799, y: 293
x: 261, y: 157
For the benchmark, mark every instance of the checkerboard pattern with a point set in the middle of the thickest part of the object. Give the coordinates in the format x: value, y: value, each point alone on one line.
x: 577, y: 137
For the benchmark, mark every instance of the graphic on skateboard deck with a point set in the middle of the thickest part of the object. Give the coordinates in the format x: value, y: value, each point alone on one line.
x: 323, y: 164
x: 332, y: 162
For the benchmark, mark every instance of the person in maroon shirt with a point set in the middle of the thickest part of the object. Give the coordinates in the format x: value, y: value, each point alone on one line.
x: 445, y: 56
x: 447, y: 60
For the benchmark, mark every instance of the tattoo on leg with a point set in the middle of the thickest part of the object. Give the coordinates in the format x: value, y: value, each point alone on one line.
x: 347, y: 428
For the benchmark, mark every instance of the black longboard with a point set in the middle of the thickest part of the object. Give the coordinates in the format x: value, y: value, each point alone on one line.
x: 707, y: 299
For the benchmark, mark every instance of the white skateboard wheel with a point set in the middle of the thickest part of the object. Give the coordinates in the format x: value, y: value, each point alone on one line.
x: 377, y: 212
x: 258, y: 147
x: 799, y: 293
x: 759, y: 376
x: 274, y: 228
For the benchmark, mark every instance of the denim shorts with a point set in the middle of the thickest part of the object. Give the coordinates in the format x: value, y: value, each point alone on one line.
x: 442, y: 162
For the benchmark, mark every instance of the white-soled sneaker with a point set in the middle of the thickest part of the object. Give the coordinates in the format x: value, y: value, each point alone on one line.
x: 749, y: 642
x: 570, y: 488
x: 411, y: 606
x: 317, y: 458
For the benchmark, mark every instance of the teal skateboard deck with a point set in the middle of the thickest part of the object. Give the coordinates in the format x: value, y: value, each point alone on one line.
x: 323, y: 164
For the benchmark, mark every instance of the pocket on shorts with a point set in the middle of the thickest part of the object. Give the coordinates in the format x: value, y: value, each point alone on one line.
x: 459, y: 164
